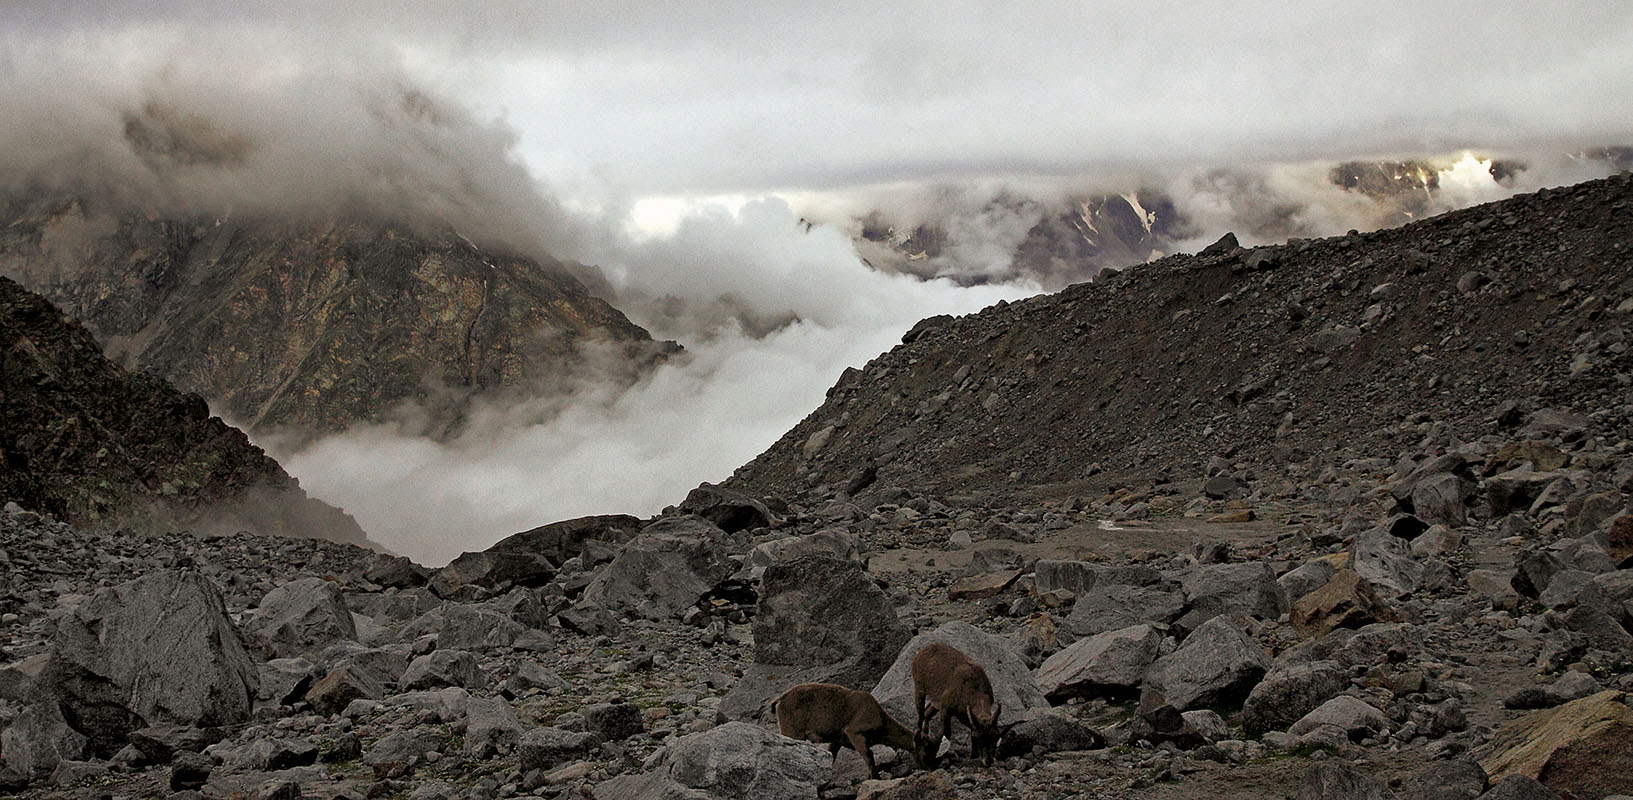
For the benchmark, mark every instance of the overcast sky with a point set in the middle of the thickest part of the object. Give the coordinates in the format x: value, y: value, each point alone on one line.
x: 648, y: 98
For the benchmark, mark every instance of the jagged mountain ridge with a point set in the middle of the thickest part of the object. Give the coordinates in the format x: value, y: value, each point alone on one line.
x: 1282, y: 353
x: 97, y: 445
x: 316, y: 326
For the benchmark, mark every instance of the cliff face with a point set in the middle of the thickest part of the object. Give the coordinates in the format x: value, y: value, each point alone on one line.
x: 315, y: 327
x: 95, y: 444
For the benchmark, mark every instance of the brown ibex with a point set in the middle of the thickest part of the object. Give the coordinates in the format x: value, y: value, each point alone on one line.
x: 949, y: 682
x: 840, y: 717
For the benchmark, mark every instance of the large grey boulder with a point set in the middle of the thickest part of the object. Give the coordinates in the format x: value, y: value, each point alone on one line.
x: 736, y: 761
x: 1080, y: 576
x: 1113, y: 606
x: 492, y: 571
x: 817, y: 619
x: 156, y: 650
x: 1111, y: 663
x: 1289, y: 692
x: 1442, y: 499
x: 1336, y: 781
x: 665, y: 570
x: 833, y: 542
x: 1012, y: 684
x: 1216, y: 664
x: 1246, y: 588
x: 442, y: 668
x: 1446, y: 780
x: 1386, y: 562
x: 1355, y: 717
x: 1048, y: 730
x: 730, y: 510
x: 476, y: 627
x: 38, y: 740
x: 560, y: 541
x: 300, y: 617
x: 491, y: 727
x: 548, y: 748
x: 1306, y: 578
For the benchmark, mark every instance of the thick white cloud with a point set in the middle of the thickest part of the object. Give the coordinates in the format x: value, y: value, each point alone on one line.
x: 612, y: 98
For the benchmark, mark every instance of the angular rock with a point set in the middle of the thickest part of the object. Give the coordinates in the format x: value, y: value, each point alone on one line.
x: 663, y: 571
x: 1495, y: 586
x: 1247, y: 588
x: 1334, y: 781
x: 396, y: 572
x: 493, y: 571
x: 1580, y: 748
x: 1348, y: 600
x: 1441, y: 499
x: 1216, y: 664
x: 1224, y: 487
x: 1111, y: 663
x: 300, y: 617
x: 162, y: 743
x: 468, y: 627
x: 735, y: 761
x: 1109, y: 607
x: 1012, y: 684
x: 156, y: 650
x: 1307, y: 578
x: 918, y: 786
x: 529, y: 675
x: 38, y: 740
x: 730, y: 510
x: 1355, y: 717
x: 817, y: 619
x: 614, y: 722
x: 560, y: 541
x: 1516, y: 490
x: 1046, y: 730
x: 491, y: 728
x: 833, y: 542
x: 440, y: 668
x: 1079, y: 576
x: 285, y: 680
x: 399, y: 753
x: 589, y: 619
x: 1446, y: 780
x: 1620, y: 541
x: 547, y: 748
x: 1519, y: 787
x: 190, y: 771
x: 983, y: 586
x: 1386, y: 562
x: 1436, y: 541
x: 341, y: 686
x: 1287, y: 693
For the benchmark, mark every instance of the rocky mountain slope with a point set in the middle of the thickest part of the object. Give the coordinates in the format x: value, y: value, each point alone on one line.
x: 313, y: 327
x: 1299, y: 354
x: 98, y: 445
x: 1439, y: 607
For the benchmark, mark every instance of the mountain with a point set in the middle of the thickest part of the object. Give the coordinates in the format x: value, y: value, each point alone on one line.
x: 1063, y: 242
x: 1291, y: 354
x: 102, y: 446
x: 312, y: 327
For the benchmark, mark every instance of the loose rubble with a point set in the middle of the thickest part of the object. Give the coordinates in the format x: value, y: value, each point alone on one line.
x: 1443, y: 611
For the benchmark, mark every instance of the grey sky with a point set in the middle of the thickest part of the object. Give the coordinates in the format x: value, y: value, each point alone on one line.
x: 636, y: 98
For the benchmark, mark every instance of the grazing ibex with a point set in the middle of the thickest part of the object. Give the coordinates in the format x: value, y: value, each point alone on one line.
x: 949, y: 682
x: 841, y: 717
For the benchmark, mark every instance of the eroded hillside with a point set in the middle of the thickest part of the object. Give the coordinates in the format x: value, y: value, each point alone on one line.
x: 1286, y: 354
